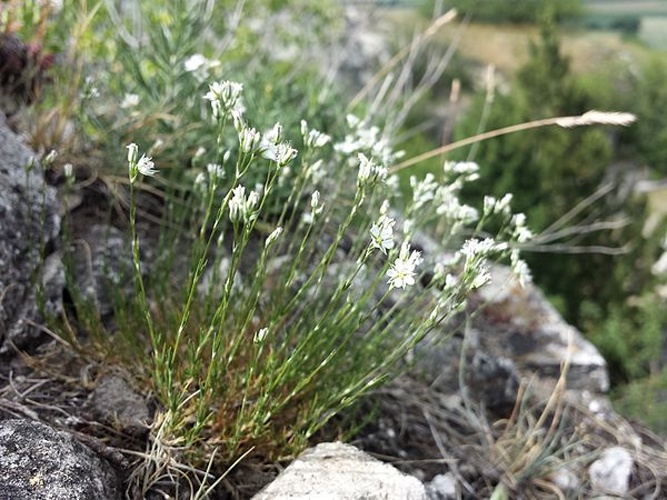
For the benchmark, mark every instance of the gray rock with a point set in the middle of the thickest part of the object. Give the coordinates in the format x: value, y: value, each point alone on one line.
x: 40, y: 463
x: 611, y: 472
x: 514, y: 334
x: 102, y: 266
x: 115, y: 403
x: 29, y: 222
x: 442, y: 487
x: 342, y: 472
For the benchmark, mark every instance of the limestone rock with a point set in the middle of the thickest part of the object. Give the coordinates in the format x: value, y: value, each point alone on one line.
x: 341, y: 472
x: 115, y: 403
x: 39, y: 462
x: 611, y: 472
x: 29, y: 223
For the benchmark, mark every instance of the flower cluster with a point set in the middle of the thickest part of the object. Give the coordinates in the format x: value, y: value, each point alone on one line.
x: 402, y: 272
x: 242, y: 207
x: 382, y: 234
x: 225, y: 98
x: 369, y: 172
x: 367, y: 140
x: 313, y: 138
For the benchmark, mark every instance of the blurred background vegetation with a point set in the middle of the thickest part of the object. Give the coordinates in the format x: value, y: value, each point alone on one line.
x: 564, y: 58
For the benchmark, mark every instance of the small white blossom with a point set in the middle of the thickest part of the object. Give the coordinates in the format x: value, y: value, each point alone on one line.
x: 132, y: 152
x: 50, y: 158
x: 215, y: 170
x: 467, y: 170
x: 241, y: 207
x: 249, y: 140
x: 194, y: 62
x: 225, y: 97
x: 313, y: 138
x: 402, y: 272
x: 315, y: 200
x: 382, y: 234
x: 68, y: 170
x: 237, y: 204
x: 281, y: 153
x: 273, y: 237
x: 384, y: 208
x: 130, y: 101
x: 260, y: 335
x: 275, y: 134
x: 482, y: 277
x: 522, y: 272
x: 423, y: 191
x: 369, y: 172
x: 503, y: 205
x: 200, y: 182
x: 146, y: 166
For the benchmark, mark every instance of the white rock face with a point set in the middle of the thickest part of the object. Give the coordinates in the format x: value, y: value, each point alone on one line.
x: 337, y: 471
x: 611, y: 472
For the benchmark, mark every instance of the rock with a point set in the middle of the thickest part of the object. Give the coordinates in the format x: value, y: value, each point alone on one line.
x: 103, y: 266
x: 611, y: 472
x: 521, y: 324
x: 341, y: 472
x: 514, y: 334
x: 566, y: 480
x: 442, y: 487
x: 115, y: 403
x: 38, y: 462
x: 29, y: 223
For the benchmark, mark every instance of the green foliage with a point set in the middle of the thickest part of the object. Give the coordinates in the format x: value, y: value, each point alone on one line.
x: 645, y: 400
x: 510, y: 11
x: 648, y: 100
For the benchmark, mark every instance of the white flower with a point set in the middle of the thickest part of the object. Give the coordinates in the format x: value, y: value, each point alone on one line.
x: 423, y: 191
x: 242, y: 207
x: 50, y: 158
x: 402, y: 272
x: 249, y: 140
x: 237, y: 203
x: 215, y: 170
x: 313, y: 138
x: 281, y: 153
x: 200, y: 182
x: 467, y: 170
x: 194, y: 62
x: 146, y: 166
x: 369, y: 172
x: 482, y: 276
x: 382, y: 234
x: 130, y: 101
x: 275, y: 135
x: 132, y: 152
x: 260, y: 335
x: 68, y: 170
x: 225, y: 97
x: 315, y: 200
x: 522, y: 272
x: 273, y: 237
x: 489, y: 205
x: 503, y: 204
